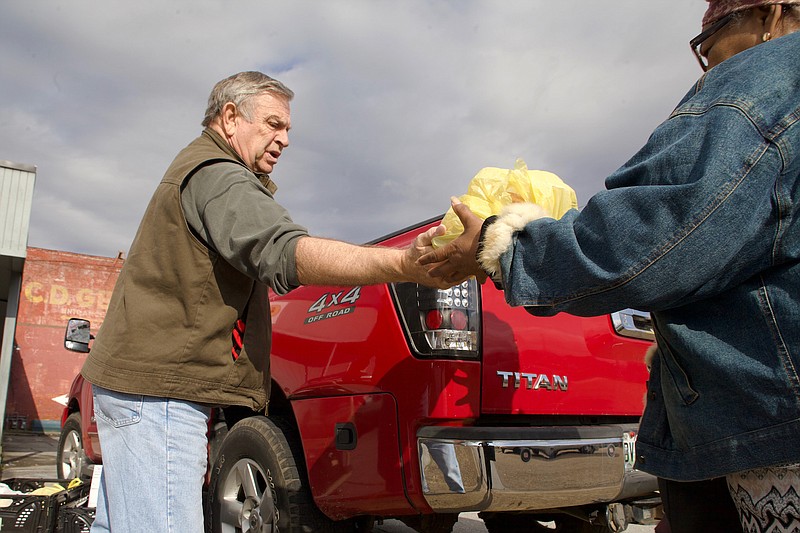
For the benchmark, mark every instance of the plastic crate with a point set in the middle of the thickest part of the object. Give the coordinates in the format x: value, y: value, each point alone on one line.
x: 75, y: 520
x: 31, y: 513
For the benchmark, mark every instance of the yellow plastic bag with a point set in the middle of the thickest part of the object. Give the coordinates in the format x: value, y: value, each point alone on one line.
x: 493, y: 188
x: 47, y: 490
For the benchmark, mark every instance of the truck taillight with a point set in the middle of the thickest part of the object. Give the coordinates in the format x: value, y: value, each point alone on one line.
x: 441, y: 323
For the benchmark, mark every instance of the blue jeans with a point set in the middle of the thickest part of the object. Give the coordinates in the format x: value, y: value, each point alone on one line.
x: 154, y: 463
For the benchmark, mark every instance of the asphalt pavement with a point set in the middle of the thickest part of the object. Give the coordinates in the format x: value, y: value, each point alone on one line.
x: 28, y: 454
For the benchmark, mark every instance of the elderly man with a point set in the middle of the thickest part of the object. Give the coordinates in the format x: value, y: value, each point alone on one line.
x: 188, y: 325
x: 702, y: 228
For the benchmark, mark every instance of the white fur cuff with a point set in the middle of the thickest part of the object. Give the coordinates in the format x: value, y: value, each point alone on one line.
x: 499, y: 235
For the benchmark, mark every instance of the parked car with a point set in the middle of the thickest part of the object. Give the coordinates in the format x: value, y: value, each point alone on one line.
x: 400, y: 401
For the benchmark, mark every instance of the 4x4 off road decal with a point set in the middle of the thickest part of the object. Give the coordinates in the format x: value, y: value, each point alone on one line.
x: 343, y: 301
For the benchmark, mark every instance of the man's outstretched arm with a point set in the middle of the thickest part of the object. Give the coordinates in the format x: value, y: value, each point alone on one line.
x: 332, y: 262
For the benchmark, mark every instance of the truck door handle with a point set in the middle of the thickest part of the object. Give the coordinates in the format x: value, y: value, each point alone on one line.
x: 633, y: 323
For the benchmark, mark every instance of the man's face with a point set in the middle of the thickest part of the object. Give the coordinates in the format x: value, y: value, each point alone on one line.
x: 260, y: 141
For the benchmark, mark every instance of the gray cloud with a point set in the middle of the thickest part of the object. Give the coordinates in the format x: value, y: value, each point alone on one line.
x: 398, y: 104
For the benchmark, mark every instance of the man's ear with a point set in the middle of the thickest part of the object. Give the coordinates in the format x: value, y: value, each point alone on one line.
x: 227, y: 119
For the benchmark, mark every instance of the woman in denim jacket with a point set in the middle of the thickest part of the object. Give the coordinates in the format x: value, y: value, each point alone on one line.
x: 702, y: 228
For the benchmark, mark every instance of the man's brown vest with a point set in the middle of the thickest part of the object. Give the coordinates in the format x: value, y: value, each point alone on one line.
x: 169, y: 330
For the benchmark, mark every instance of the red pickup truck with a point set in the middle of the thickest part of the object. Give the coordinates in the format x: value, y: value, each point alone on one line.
x: 400, y: 401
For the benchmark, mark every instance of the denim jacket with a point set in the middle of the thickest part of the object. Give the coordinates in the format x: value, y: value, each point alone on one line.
x: 701, y: 228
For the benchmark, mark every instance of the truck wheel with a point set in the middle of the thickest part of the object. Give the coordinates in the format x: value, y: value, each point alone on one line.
x: 531, y: 523
x: 216, y: 435
x: 71, y: 460
x: 258, y: 482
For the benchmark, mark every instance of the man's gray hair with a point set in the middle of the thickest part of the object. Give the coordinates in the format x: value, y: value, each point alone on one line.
x: 239, y: 89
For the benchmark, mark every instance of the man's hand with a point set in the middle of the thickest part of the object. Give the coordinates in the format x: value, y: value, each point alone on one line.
x: 423, y: 245
x: 456, y: 261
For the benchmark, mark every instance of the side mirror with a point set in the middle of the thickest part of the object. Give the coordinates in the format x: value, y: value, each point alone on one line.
x: 77, y: 336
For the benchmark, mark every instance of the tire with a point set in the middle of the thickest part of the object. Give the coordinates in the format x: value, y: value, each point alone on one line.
x: 531, y: 523
x: 258, y: 482
x: 71, y: 460
x: 216, y: 436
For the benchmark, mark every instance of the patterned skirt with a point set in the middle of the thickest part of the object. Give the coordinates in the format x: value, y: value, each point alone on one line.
x: 767, y: 499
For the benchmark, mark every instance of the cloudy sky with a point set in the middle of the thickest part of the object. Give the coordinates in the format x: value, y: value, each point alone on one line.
x: 399, y: 103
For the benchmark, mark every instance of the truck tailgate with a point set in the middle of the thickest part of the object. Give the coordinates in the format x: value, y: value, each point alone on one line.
x: 560, y: 365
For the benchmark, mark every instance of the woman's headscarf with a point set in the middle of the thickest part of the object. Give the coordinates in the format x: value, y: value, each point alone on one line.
x: 719, y: 8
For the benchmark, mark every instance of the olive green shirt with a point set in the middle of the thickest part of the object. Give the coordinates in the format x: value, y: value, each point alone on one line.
x: 231, y: 211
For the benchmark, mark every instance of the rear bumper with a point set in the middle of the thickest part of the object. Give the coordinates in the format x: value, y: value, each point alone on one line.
x: 526, y: 469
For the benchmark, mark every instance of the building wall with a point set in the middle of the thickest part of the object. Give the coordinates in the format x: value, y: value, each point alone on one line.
x: 56, y: 286
x: 16, y: 197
